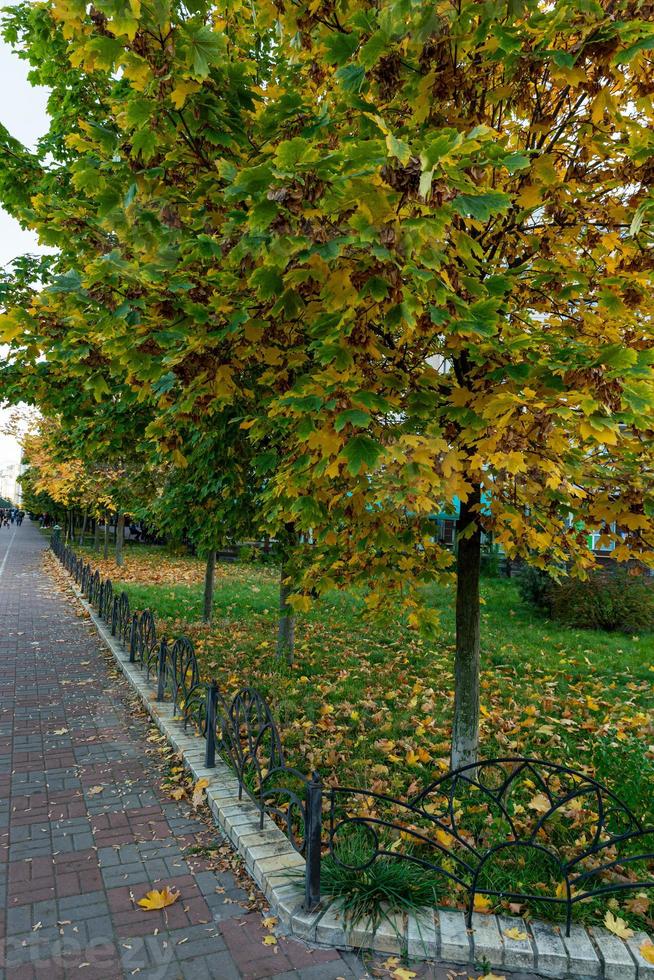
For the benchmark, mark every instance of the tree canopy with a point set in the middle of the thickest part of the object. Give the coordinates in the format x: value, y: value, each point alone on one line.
x: 404, y: 251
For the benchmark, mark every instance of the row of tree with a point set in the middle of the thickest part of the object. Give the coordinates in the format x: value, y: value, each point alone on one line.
x: 332, y: 266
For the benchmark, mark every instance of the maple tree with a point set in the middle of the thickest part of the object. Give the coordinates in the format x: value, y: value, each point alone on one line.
x: 411, y: 244
x: 456, y: 276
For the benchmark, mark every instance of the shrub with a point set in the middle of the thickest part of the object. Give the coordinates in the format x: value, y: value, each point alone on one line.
x: 535, y: 587
x: 623, y: 766
x: 611, y: 601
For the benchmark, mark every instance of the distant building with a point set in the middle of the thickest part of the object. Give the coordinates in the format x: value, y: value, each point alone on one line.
x: 9, y: 485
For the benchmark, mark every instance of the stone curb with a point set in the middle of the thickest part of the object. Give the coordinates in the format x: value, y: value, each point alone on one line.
x: 278, y: 869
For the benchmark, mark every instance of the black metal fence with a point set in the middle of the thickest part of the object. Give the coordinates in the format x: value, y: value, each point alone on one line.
x: 503, y: 828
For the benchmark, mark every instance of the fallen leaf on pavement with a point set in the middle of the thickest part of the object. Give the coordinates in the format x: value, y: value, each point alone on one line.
x: 269, y: 941
x: 94, y: 790
x: 617, y: 926
x: 647, y: 952
x: 515, y: 933
x: 159, y: 900
x: 198, y: 792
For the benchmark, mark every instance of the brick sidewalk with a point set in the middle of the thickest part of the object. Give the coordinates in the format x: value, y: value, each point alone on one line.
x: 86, y: 830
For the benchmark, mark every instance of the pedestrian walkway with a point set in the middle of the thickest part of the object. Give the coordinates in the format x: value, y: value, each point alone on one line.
x: 86, y: 829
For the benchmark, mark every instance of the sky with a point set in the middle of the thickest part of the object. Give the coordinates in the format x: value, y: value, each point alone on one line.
x: 22, y: 111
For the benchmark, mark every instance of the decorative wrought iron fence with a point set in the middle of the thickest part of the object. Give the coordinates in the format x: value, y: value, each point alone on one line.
x: 473, y: 829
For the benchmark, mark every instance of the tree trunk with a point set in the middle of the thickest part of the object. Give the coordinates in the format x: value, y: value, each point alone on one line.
x: 96, y: 534
x: 209, y: 578
x: 106, y: 535
x: 465, y: 730
x: 83, y: 531
x: 286, y: 632
x: 120, y: 538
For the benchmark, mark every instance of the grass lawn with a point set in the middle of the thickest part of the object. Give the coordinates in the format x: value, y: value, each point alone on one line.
x: 371, y: 707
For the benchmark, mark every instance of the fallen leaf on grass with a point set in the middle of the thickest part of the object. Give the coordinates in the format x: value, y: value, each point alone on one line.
x: 540, y: 803
x: 639, y: 904
x: 94, y: 790
x: 198, y: 792
x: 647, y: 952
x: 159, y: 900
x: 515, y: 933
x: 482, y: 903
x: 269, y: 941
x: 617, y: 926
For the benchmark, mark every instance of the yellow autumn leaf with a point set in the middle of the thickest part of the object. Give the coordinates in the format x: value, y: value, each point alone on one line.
x: 269, y: 941
x: 159, y: 899
x: 178, y: 793
x: 647, y: 952
x: 401, y: 973
x: 94, y: 790
x: 198, y: 792
x: 181, y: 91
x: 515, y: 933
x: 269, y: 922
x: 482, y: 903
x: 617, y: 926
x: 540, y: 803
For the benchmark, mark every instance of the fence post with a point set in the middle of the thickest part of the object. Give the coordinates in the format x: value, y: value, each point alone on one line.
x: 114, y: 616
x: 133, y: 638
x: 210, y: 752
x: 161, y: 670
x: 313, y: 830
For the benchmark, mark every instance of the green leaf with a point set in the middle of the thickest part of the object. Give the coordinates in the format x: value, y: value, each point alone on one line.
x: 207, y: 49
x: 144, y: 144
x: 564, y: 59
x: 639, y: 217
x: 439, y: 148
x: 352, y: 416
x: 397, y: 148
x: 290, y: 153
x: 376, y: 287
x: 351, y: 77
x: 481, y: 206
x: 267, y: 283
x: 516, y: 161
x: 481, y: 317
x: 616, y: 356
x: 138, y: 112
x: 360, y: 452
x: 373, y: 49
x: 69, y: 282
x: 340, y: 47
x: 643, y: 44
